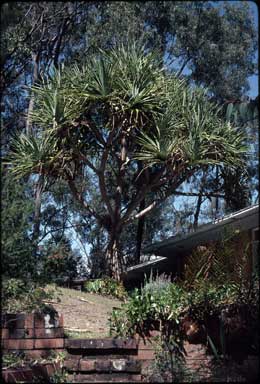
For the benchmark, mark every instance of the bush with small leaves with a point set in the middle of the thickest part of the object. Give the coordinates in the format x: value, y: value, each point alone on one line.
x: 106, y: 286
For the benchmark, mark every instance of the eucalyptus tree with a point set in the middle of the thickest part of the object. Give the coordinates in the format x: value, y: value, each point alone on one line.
x: 125, y: 124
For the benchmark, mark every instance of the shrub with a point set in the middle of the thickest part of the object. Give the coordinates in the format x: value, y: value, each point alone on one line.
x: 169, y: 364
x: 106, y: 286
x: 168, y: 304
x: 159, y: 301
x: 21, y: 296
x: 157, y: 283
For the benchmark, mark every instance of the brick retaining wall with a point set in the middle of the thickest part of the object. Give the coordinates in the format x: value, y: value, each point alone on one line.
x: 35, y: 334
x: 29, y: 374
x: 39, y: 334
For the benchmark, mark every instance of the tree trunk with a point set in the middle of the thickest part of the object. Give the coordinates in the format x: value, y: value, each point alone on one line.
x: 114, y: 259
x: 35, y: 59
x: 37, y: 211
x: 139, y: 234
x: 199, y: 201
x: 197, y: 212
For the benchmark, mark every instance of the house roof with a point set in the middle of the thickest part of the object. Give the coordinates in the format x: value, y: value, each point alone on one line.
x: 243, y: 220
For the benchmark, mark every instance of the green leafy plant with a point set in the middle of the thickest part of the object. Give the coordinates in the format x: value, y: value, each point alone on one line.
x: 106, y: 286
x: 21, y: 296
x: 149, y: 307
x: 169, y: 363
x: 163, y: 305
x: 13, y: 359
x: 220, y: 262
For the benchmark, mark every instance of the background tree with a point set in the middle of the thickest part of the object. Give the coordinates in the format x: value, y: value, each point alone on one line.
x: 60, y: 262
x: 212, y: 44
x: 16, y: 247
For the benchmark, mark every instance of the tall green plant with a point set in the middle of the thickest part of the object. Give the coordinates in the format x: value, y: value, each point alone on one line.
x: 225, y: 261
x: 138, y: 130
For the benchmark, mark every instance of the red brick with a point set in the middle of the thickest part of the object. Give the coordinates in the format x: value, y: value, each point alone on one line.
x: 49, y: 343
x: 39, y: 321
x: 76, y: 356
x: 103, y: 366
x: 4, y: 333
x: 55, y: 320
x: 13, y: 320
x: 18, y: 344
x: 61, y: 321
x: 49, y: 332
x: 39, y: 371
x: 41, y: 353
x: 87, y: 365
x: 105, y: 343
x: 29, y: 320
x: 21, y: 333
x: 17, y: 375
x: 147, y: 345
x: 51, y: 368
x: 71, y: 364
x: 38, y: 353
x: 45, y: 370
x: 145, y: 354
x: 104, y: 378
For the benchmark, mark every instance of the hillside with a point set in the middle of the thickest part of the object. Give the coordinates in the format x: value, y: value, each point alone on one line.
x: 85, y: 314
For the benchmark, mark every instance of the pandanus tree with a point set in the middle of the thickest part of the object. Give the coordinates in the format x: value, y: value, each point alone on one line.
x: 123, y: 124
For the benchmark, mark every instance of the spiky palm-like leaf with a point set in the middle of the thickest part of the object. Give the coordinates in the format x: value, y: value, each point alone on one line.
x: 53, y: 107
x: 32, y: 155
x: 125, y: 89
x: 194, y: 130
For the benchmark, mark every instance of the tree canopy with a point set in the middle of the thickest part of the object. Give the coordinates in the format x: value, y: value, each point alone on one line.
x: 209, y: 44
x: 136, y: 129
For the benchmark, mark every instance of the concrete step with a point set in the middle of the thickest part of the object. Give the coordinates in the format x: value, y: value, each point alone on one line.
x: 104, y: 378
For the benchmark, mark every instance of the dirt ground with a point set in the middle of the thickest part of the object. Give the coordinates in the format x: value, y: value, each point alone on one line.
x: 85, y: 314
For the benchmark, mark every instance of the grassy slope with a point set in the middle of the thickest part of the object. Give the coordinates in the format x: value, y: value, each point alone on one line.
x: 86, y: 312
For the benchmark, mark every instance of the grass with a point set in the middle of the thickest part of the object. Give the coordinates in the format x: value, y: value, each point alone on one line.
x: 85, y: 314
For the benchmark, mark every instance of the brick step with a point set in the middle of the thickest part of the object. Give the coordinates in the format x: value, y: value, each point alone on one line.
x: 104, y: 378
x: 102, y: 365
x: 102, y: 355
x: 101, y: 344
